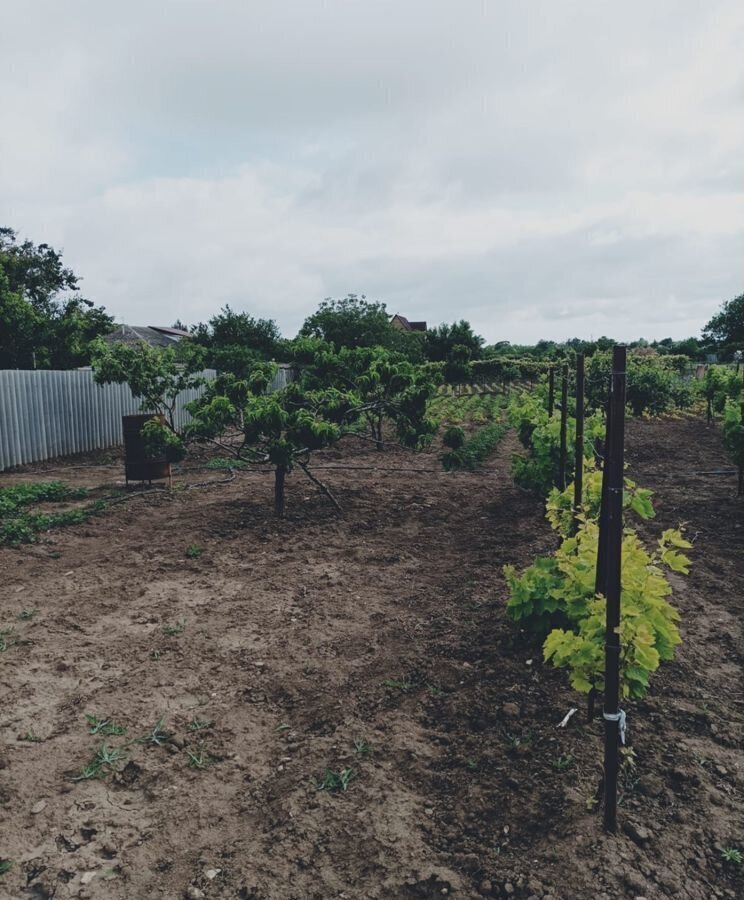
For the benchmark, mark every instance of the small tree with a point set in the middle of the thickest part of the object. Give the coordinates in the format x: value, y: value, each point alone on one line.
x: 156, y: 375
x: 281, y: 429
x: 331, y: 399
x: 386, y: 386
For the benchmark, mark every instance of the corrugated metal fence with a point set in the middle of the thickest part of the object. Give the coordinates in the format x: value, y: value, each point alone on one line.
x: 44, y: 414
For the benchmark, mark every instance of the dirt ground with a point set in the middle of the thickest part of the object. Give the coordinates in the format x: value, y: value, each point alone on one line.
x: 375, y: 642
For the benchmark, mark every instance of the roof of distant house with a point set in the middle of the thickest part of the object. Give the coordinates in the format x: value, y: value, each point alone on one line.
x: 155, y: 335
x: 406, y: 325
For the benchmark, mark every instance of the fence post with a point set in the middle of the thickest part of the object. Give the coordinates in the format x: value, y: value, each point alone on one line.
x: 611, y: 521
x: 551, y: 391
x: 579, y: 446
x: 564, y: 425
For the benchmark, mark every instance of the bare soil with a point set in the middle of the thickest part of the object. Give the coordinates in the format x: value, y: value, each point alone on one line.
x: 384, y: 626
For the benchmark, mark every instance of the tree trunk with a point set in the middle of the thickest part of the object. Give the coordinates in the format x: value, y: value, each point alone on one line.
x: 279, y: 477
x: 380, y: 444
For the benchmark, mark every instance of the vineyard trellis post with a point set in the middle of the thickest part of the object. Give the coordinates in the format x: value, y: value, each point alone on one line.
x: 564, y: 426
x: 609, y: 567
x: 579, y: 447
x: 551, y: 390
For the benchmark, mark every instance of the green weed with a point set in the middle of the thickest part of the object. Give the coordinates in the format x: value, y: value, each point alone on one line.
x: 336, y: 781
x: 200, y: 759
x: 362, y: 747
x: 157, y: 735
x: 5, y: 866
x: 405, y: 685
x: 733, y: 855
x: 25, y: 615
x: 7, y: 640
x: 197, y: 724
x: 563, y: 762
x: 100, y: 725
x: 194, y: 551
x: 171, y: 630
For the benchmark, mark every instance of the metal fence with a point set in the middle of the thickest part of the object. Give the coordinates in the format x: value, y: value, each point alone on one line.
x: 45, y: 413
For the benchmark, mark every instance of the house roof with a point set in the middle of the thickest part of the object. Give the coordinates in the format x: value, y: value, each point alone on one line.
x: 408, y: 325
x: 155, y: 335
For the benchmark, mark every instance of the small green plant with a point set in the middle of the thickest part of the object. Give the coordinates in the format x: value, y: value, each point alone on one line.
x: 157, y: 735
x: 172, y: 630
x: 199, y: 759
x: 7, y: 640
x: 563, y: 762
x: 336, y: 781
x: 194, y: 551
x: 281, y: 728
x: 5, y: 866
x: 101, y: 725
x: 732, y: 855
x: 106, y: 758
x: 197, y: 724
x: 405, y: 685
x: 362, y: 747
x: 25, y: 615
x: 472, y: 764
x: 31, y: 738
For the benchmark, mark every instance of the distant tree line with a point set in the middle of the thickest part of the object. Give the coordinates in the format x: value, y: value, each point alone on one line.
x: 45, y: 322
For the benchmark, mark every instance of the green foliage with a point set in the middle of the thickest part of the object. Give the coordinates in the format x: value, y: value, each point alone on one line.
x: 350, y: 322
x: 446, y: 343
x: 157, y: 375
x: 727, y: 325
x: 234, y: 342
x: 559, y: 505
x: 336, y: 781
x: 720, y: 385
x: 453, y: 437
x: 560, y: 590
x: 653, y: 384
x: 476, y: 449
x: 733, y: 435
x: 18, y: 525
x: 282, y: 428
x: 44, y: 322
x: 541, y: 434
x: 161, y: 442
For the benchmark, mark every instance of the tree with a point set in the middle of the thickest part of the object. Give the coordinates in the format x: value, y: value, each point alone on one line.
x: 234, y: 341
x: 727, y: 326
x: 282, y: 429
x: 440, y: 342
x: 386, y: 385
x: 155, y: 374
x: 44, y: 322
x: 351, y: 322
x: 335, y: 395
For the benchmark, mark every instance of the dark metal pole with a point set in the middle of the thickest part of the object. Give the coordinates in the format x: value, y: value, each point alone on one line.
x: 551, y: 390
x: 564, y: 425
x: 614, y: 474
x: 579, y: 447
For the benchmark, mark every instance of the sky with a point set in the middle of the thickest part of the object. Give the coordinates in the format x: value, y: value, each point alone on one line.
x: 542, y: 168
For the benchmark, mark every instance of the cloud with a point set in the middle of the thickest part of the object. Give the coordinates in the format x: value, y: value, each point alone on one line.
x: 546, y: 170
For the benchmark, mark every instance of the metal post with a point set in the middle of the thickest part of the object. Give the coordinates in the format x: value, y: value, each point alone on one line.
x: 613, y: 716
x: 579, y: 447
x: 564, y: 425
x: 551, y: 390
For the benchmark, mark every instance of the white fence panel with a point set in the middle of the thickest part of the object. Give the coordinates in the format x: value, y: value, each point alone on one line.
x: 44, y: 413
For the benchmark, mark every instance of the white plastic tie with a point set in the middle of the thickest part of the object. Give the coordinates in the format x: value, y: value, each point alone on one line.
x: 565, y: 720
x: 620, y: 718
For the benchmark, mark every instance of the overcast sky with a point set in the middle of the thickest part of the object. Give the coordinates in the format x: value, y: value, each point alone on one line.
x: 544, y: 169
